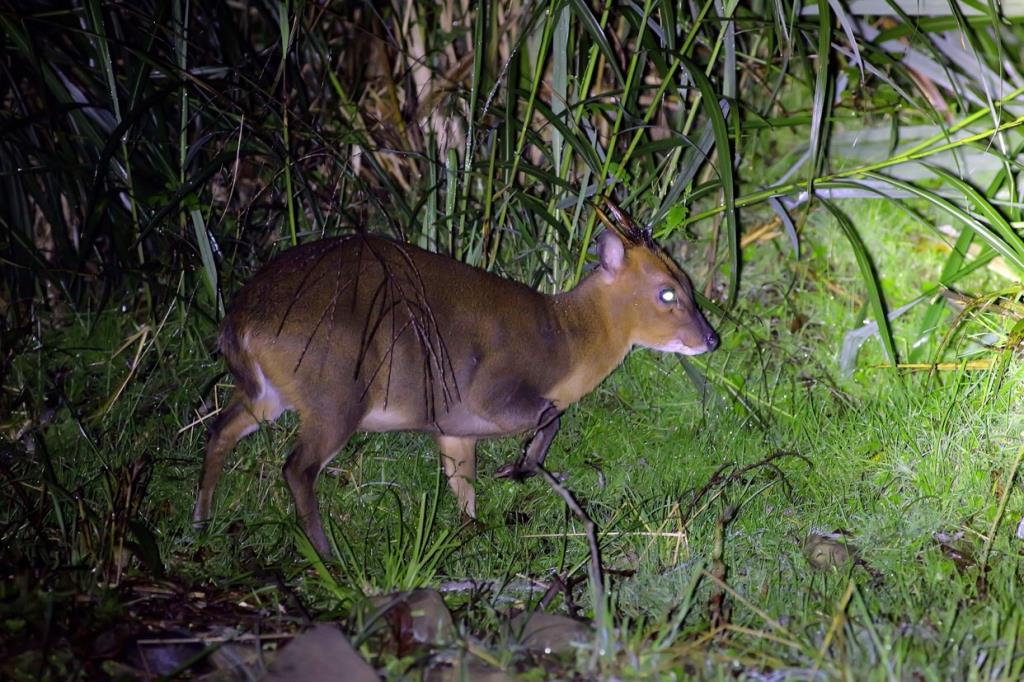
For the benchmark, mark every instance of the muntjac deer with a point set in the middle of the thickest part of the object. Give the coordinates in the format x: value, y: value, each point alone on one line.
x: 361, y: 333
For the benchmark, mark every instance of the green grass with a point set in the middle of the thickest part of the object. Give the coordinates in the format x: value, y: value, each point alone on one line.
x: 147, y: 173
x: 889, y: 461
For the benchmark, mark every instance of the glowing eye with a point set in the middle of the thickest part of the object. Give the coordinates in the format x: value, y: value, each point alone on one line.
x: 667, y: 296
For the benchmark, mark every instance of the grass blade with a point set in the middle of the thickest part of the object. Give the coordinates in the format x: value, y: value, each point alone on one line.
x: 709, y: 103
x: 875, y: 299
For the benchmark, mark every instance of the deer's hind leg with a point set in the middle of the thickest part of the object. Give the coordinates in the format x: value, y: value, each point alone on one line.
x: 320, y: 439
x: 235, y: 423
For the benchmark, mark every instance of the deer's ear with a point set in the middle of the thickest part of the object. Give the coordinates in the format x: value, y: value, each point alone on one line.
x: 612, y: 252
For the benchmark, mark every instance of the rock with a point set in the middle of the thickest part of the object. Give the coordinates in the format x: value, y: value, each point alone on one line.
x: 825, y: 551
x: 549, y: 633
x: 321, y: 654
x: 419, y: 616
x: 469, y: 668
x: 431, y: 622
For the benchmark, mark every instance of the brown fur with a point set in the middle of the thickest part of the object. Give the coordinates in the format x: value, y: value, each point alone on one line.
x: 365, y: 334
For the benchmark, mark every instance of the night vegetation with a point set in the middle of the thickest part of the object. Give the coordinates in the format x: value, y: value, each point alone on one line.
x: 834, y: 493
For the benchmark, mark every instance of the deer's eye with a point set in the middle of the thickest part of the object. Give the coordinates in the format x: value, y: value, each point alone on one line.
x: 667, y: 295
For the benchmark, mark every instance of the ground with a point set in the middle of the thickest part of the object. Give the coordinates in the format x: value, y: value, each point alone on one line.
x: 761, y: 512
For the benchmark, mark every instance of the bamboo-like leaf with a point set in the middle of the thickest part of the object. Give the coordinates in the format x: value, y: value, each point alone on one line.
x: 559, y: 81
x: 544, y: 176
x: 787, y: 225
x: 986, y: 209
x: 695, y: 157
x: 709, y: 103
x: 668, y: 20
x: 582, y: 147
x: 846, y: 22
x: 728, y: 41
x: 855, y: 338
x: 593, y: 27
x: 451, y: 192
x: 479, y: 33
x: 539, y: 210
x: 876, y: 302
x: 95, y: 14
x: 203, y: 242
x: 1013, y: 254
x: 876, y: 73
x: 821, y: 104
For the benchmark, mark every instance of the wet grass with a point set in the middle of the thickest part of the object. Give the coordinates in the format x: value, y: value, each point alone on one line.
x: 782, y: 508
x: 876, y: 541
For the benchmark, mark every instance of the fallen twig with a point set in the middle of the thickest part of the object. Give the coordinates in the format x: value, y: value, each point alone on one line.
x: 596, y: 577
